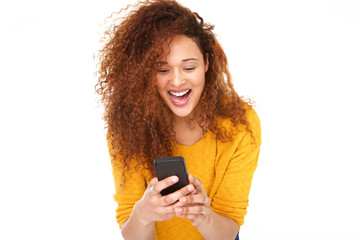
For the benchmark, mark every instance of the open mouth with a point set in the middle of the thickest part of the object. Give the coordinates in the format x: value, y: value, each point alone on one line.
x: 179, y: 98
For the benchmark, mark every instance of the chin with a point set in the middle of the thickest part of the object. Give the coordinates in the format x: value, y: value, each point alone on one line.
x: 182, y: 114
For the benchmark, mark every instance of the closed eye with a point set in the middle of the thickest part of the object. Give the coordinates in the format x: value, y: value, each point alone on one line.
x: 190, y: 68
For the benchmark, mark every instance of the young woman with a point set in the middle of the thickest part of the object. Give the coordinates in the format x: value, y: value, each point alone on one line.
x: 167, y: 91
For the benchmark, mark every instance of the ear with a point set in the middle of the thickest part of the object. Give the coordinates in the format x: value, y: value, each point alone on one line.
x: 207, y: 62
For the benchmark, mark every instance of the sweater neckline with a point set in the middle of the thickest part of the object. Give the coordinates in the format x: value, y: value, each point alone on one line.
x: 196, y: 143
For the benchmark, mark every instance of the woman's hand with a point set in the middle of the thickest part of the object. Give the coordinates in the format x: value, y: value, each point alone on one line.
x: 155, y: 207
x: 195, y: 206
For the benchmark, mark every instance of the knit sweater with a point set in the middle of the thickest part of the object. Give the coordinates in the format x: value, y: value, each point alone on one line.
x: 224, y: 168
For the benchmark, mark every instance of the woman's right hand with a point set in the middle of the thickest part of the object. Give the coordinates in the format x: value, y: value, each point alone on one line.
x: 155, y: 207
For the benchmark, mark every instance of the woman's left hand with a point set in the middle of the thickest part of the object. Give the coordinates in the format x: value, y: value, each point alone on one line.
x: 195, y: 206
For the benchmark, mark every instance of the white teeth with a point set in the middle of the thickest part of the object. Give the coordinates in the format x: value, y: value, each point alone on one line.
x: 180, y: 94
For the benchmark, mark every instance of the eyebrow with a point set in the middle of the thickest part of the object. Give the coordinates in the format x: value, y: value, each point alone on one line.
x: 184, y: 60
x: 190, y: 59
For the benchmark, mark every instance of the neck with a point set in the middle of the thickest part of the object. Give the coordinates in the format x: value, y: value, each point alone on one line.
x: 187, y: 122
x: 187, y: 130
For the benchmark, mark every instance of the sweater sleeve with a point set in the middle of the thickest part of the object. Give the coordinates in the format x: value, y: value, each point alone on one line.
x: 126, y: 195
x: 231, y: 198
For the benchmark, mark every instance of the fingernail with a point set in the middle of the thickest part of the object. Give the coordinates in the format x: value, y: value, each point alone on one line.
x: 190, y: 188
x: 179, y: 210
x: 183, y: 199
x: 174, y: 179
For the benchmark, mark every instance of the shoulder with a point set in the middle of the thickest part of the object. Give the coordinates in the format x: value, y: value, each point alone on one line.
x: 251, y: 121
x: 245, y: 132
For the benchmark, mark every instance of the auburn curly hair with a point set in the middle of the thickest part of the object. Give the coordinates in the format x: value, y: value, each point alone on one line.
x: 138, y: 121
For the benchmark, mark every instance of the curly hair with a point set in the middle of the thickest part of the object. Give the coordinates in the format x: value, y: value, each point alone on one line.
x: 138, y: 121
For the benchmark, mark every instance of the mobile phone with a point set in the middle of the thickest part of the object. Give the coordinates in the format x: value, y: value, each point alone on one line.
x: 171, y: 166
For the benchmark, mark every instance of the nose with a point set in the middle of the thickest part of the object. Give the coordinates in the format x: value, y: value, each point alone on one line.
x: 177, y: 78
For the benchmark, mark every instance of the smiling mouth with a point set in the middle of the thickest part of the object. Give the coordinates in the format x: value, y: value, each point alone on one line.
x: 179, y: 97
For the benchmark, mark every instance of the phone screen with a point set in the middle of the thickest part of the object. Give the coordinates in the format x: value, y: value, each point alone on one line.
x: 171, y: 166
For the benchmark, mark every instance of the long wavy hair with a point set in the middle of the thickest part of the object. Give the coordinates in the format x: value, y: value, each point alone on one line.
x: 138, y: 121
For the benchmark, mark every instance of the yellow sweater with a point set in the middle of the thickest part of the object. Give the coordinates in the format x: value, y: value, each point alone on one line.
x: 225, y: 170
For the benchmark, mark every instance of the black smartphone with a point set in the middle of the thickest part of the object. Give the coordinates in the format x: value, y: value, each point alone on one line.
x: 171, y: 166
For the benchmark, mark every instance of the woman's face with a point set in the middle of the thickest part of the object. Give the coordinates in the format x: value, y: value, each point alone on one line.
x: 181, y: 76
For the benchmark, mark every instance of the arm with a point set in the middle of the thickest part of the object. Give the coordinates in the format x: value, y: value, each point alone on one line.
x: 130, y: 228
x: 153, y: 207
x: 140, y: 204
x: 219, y: 227
x: 230, y: 200
x: 211, y: 225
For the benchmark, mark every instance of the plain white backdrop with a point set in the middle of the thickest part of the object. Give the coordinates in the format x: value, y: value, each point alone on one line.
x: 298, y: 60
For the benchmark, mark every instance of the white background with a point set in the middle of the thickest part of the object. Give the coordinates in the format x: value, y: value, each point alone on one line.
x: 299, y: 60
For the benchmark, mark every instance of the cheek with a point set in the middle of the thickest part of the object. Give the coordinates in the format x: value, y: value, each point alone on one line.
x: 160, y: 82
x: 160, y: 85
x: 200, y: 80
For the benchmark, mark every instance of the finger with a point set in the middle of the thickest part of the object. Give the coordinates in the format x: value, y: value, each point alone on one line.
x: 173, y: 197
x: 167, y: 182
x: 196, y: 182
x: 164, y: 211
x: 166, y: 217
x: 193, y: 192
x: 195, y: 209
x: 153, y: 182
x: 196, y: 219
x: 191, y: 178
x: 194, y: 198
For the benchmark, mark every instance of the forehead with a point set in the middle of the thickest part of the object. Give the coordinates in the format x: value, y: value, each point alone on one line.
x: 180, y: 47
